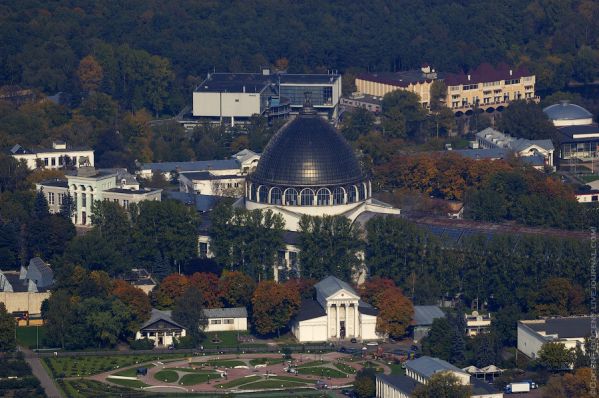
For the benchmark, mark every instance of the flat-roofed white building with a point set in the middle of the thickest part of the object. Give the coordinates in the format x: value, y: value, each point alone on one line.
x: 569, y: 331
x: 59, y: 156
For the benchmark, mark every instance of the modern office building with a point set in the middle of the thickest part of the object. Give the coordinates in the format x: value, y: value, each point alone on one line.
x: 235, y: 97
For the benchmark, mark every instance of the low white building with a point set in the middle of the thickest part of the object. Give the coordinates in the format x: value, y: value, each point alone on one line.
x: 226, y: 319
x: 490, y: 138
x: 420, y: 370
x: 338, y: 313
x: 207, y: 183
x: 570, y: 331
x: 161, y: 329
x: 60, y: 156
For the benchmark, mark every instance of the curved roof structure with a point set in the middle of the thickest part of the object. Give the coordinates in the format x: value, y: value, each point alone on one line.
x: 307, y: 152
x: 567, y: 111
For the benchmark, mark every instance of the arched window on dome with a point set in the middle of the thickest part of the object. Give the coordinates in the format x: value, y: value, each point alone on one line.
x: 361, y: 192
x: 253, y: 192
x: 338, y: 196
x: 291, y: 198
x: 276, y: 196
x: 323, y: 197
x: 307, y: 197
x: 262, y: 194
x: 352, y: 194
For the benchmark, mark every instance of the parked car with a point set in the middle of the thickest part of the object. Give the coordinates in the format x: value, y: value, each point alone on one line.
x: 353, y: 340
x: 372, y: 343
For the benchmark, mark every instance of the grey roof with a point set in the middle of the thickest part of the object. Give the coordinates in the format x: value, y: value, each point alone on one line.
x: 133, y: 191
x: 331, y: 285
x: 202, y: 203
x: 157, y: 316
x: 40, y: 272
x: 55, y: 183
x: 480, y: 153
x: 570, y: 327
x: 201, y: 165
x: 481, y: 387
x: 425, y: 314
x: 428, y: 366
x: 402, y: 383
x: 235, y: 83
x: 20, y: 150
x: 237, y: 312
x: 367, y: 309
x: 566, y: 111
x: 521, y: 144
x: 309, y: 309
x: 568, y: 132
x: 206, y: 175
x: 121, y: 174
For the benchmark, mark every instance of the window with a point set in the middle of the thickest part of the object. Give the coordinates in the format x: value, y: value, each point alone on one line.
x: 454, y: 88
x: 50, y: 198
x: 323, y: 197
x: 281, y: 260
x: 291, y: 197
x: 45, y: 161
x: 83, y: 200
x: 252, y: 192
x: 275, y: 196
x: 60, y: 160
x: 215, y: 321
x: 512, y: 81
x: 338, y: 196
x: 262, y: 194
x: 228, y: 321
x: 361, y: 192
x: 327, y: 94
x: 126, y: 203
x: 307, y: 197
x: 60, y: 198
x: 203, y: 249
x: 470, y: 86
x: 53, y: 161
x: 75, y: 199
x: 352, y: 194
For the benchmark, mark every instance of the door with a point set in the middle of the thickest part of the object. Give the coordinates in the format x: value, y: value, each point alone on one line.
x: 342, y: 329
x: 83, y: 218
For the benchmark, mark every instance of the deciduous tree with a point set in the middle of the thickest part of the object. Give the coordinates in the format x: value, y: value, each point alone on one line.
x: 273, y: 306
x: 7, y: 330
x: 443, y: 385
x: 189, y: 312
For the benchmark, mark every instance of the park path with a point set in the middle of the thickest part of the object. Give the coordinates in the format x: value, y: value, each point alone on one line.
x: 40, y: 373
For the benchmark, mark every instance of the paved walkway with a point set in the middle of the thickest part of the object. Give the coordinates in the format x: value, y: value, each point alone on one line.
x: 40, y: 372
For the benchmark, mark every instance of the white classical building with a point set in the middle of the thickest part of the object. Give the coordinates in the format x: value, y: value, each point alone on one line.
x: 60, y: 156
x: 338, y: 313
x: 161, y: 329
x: 89, y: 185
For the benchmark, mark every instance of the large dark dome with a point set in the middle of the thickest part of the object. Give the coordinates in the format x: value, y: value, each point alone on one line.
x: 307, y: 152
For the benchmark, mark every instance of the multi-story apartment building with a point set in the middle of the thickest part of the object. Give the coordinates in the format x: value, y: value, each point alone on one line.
x: 488, y: 88
x: 415, y: 81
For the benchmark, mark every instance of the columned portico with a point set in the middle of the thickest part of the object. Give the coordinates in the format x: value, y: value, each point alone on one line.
x: 343, y: 319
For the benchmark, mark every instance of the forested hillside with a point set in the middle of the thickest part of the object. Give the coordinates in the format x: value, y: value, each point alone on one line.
x: 177, y: 42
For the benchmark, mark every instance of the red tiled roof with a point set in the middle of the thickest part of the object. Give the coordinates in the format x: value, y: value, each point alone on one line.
x: 486, y: 73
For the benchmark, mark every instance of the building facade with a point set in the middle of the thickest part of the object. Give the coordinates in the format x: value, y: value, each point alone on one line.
x: 477, y: 323
x: 338, y: 313
x: 488, y: 88
x: 89, y: 185
x: 25, y: 291
x: 59, y: 156
x: 569, y: 331
x: 161, y: 329
x: 226, y: 319
x: 415, y: 81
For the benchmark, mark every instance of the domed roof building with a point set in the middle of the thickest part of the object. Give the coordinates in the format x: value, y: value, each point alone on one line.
x: 568, y: 114
x: 308, y: 168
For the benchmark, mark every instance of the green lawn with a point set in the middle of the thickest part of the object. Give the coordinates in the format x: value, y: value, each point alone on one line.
x: 589, y: 178
x: 128, y: 383
x: 321, y: 371
x: 258, y: 385
x: 239, y: 382
x: 266, y: 361
x: 89, y: 365
x: 396, y: 369
x: 133, y: 371
x: 228, y: 339
x: 197, y: 378
x: 27, y: 336
x: 167, y: 376
x: 345, y: 368
x: 312, y: 363
x: 226, y: 363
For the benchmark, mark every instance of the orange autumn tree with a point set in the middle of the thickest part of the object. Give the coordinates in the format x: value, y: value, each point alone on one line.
x: 134, y: 298
x: 170, y: 289
x: 274, y: 304
x: 395, y: 309
x: 207, y: 284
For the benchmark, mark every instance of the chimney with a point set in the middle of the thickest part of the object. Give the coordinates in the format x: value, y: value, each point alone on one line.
x: 468, y: 77
x: 244, y: 89
x: 510, y: 72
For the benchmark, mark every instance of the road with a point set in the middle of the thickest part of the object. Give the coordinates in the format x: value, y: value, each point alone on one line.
x: 40, y: 372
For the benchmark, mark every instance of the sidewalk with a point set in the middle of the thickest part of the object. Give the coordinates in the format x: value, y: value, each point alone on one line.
x: 40, y: 373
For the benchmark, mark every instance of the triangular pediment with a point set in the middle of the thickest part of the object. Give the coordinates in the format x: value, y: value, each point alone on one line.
x: 161, y: 324
x: 343, y: 294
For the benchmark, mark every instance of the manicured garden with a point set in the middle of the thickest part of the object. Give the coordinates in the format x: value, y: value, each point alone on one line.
x: 197, y: 378
x: 266, y: 361
x: 322, y: 371
x: 128, y: 383
x: 167, y: 376
x: 239, y: 382
x: 93, y: 364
